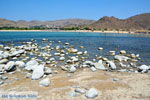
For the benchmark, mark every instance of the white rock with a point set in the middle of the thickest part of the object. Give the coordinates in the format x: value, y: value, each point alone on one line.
x: 45, y: 82
x: 15, y: 53
x: 2, y: 67
x: 3, y: 61
x: 74, y: 59
x: 62, y: 58
x: 57, y: 54
x: 144, y: 67
x: 93, y: 69
x: 52, y: 59
x: 38, y: 72
x: 112, y: 65
x: 72, y: 69
x: 31, y: 64
x: 5, y: 55
x: 10, y: 65
x: 91, y: 93
x: 100, y: 48
x: 85, y: 52
x: 7, y: 48
x: 122, y: 52
x: 99, y: 65
x: 20, y: 64
x: 72, y: 50
x: 47, y: 70
x: 79, y: 53
x: 112, y: 52
x: 90, y: 63
x: 121, y: 58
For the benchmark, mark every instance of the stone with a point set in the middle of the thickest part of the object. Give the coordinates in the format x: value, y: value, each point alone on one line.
x: 10, y: 66
x: 121, y: 58
x: 72, y: 94
x: 99, y: 65
x: 72, y: 69
x: 28, y: 75
x: 112, y: 65
x: 2, y: 67
x: 57, y: 54
x: 91, y: 93
x: 90, y: 63
x: 74, y: 59
x: 93, y: 69
x: 144, y: 68
x: 115, y: 79
x: 52, y: 59
x: 31, y: 64
x: 112, y: 53
x: 72, y: 50
x: 79, y: 90
x: 45, y: 82
x: 15, y: 53
x: 79, y: 53
x: 38, y: 72
x: 3, y: 77
x: 122, y: 52
x: 62, y: 58
x: 3, y: 61
x: 20, y: 64
x: 1, y: 82
x: 100, y: 48
x: 47, y: 70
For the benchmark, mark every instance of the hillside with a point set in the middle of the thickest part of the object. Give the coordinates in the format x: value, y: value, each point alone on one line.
x: 137, y: 22
x: 47, y: 24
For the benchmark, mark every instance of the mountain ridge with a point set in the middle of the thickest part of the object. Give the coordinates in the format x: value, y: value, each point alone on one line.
x: 137, y: 22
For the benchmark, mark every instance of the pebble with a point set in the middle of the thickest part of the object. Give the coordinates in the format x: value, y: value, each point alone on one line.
x: 91, y: 93
x: 45, y: 82
x: 122, y: 52
x: 1, y: 82
x: 79, y: 90
x: 93, y: 69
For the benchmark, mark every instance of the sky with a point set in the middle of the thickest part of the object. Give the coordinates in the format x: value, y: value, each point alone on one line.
x: 65, y: 9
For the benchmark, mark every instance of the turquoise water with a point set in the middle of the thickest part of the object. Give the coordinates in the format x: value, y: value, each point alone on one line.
x: 138, y: 44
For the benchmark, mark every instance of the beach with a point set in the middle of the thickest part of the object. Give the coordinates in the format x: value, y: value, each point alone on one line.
x: 64, y: 31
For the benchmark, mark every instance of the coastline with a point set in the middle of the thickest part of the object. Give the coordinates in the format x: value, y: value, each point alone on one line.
x: 64, y: 31
x: 96, y: 31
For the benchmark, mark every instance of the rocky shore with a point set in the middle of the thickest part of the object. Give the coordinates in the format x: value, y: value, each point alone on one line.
x: 66, y: 73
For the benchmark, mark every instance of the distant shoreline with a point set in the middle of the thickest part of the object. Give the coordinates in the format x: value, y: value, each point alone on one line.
x: 96, y: 31
x: 63, y: 31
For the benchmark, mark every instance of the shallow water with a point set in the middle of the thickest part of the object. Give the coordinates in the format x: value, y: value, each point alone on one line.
x: 138, y: 44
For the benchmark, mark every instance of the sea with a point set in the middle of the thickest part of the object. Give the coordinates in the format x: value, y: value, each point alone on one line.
x: 132, y: 43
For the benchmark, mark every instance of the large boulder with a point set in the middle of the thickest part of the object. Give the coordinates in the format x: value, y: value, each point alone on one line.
x: 99, y: 65
x: 112, y: 65
x: 72, y: 69
x: 91, y: 93
x: 20, y: 64
x: 38, y: 72
x: 121, y: 58
x: 31, y: 64
x: 15, y: 53
x: 10, y: 66
x: 144, y: 68
x: 3, y: 61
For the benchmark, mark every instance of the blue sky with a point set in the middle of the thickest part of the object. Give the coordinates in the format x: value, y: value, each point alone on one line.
x: 64, y: 9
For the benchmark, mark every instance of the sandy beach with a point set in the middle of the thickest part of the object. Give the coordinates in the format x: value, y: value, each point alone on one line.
x: 63, y: 31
